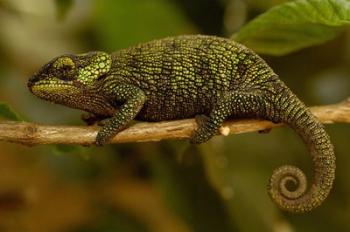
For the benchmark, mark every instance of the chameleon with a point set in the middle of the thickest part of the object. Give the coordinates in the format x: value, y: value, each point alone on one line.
x: 206, y: 77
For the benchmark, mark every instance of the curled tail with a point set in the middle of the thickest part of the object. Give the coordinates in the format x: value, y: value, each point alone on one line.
x: 288, y: 184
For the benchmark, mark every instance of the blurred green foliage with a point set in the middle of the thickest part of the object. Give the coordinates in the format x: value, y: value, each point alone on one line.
x: 111, y: 220
x: 168, y: 186
x: 63, y: 7
x: 7, y: 112
x: 185, y: 185
x: 136, y: 21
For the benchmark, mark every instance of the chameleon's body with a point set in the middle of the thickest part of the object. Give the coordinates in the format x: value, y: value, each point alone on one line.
x: 186, y: 76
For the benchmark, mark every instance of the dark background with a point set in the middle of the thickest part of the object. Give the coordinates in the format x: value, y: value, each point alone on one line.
x: 163, y: 186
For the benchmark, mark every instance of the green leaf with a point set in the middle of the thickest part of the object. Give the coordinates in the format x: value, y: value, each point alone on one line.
x: 63, y: 6
x: 8, y: 113
x: 295, y: 25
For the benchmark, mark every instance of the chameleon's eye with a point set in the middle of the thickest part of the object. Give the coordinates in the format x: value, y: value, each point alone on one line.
x: 64, y: 62
x: 65, y: 68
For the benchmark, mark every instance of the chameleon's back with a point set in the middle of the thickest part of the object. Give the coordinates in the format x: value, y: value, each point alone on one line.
x: 184, y: 76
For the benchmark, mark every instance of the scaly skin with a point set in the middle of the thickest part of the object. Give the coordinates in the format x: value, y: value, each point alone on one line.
x: 181, y: 77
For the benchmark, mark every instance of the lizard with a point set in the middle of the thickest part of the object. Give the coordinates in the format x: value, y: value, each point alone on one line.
x: 207, y: 77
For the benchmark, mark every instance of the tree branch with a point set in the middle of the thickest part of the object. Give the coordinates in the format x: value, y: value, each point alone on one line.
x: 33, y: 134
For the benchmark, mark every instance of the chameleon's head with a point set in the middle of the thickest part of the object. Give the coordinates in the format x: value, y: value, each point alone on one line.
x: 68, y: 78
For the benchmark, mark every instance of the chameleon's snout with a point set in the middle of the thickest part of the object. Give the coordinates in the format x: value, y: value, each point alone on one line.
x: 30, y: 83
x: 33, y: 80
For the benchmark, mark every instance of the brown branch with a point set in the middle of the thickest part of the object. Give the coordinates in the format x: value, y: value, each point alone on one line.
x: 32, y: 133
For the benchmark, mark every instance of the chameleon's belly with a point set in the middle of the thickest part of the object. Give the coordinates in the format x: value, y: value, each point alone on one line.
x: 173, y: 107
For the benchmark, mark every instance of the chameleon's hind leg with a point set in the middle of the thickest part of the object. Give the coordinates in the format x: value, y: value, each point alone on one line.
x: 232, y: 104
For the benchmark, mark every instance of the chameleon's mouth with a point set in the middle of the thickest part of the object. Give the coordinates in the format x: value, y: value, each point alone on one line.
x: 59, y: 94
x: 30, y: 84
x: 33, y: 80
x: 52, y: 89
x: 70, y: 95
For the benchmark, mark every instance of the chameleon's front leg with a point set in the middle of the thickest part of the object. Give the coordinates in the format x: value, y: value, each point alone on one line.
x: 133, y: 99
